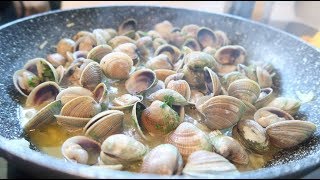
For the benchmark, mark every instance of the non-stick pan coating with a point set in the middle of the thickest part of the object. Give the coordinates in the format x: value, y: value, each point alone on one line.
x: 297, y: 64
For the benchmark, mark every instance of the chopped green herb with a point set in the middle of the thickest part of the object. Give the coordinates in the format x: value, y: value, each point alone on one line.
x: 103, y: 107
x: 47, y: 73
x: 33, y: 82
x: 163, y: 105
x: 168, y: 100
x: 158, y: 126
x: 143, y: 33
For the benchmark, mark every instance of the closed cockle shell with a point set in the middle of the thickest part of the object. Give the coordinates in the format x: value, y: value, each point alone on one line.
x: 82, y: 106
x: 287, y: 134
x: 159, y: 62
x: 116, y: 65
x: 289, y: 105
x: 163, y: 159
x: 98, y: 52
x: 208, y: 164
x: 104, y: 124
x: 91, y: 76
x: 245, y: 90
x: 121, y: 149
x: 222, y: 111
x: 188, y: 139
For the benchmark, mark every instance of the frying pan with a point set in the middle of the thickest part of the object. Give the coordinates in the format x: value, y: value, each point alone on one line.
x: 297, y: 65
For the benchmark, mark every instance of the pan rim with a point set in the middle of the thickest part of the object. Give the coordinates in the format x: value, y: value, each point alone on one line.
x: 269, y: 172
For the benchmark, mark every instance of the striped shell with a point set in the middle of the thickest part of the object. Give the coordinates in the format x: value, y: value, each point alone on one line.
x: 188, y: 139
x: 208, y: 164
x: 287, y: 134
x: 91, y: 76
x: 221, y: 111
x: 121, y: 149
x: 163, y: 159
x: 104, y: 124
x: 44, y: 117
x: 245, y: 90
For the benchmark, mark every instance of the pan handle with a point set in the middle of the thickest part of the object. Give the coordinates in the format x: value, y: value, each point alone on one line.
x: 242, y: 8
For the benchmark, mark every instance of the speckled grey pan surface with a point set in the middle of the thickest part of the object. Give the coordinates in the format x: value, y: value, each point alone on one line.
x: 297, y: 64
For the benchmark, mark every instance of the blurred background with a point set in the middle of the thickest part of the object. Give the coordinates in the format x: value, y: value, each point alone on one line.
x: 296, y: 17
x: 299, y: 18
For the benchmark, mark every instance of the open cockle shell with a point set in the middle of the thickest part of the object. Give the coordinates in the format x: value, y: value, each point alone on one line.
x: 207, y: 38
x: 182, y: 87
x: 161, y: 61
x: 131, y: 50
x: 251, y: 135
x: 65, y: 45
x: 127, y: 25
x: 81, y: 149
x: 197, y: 60
x: 229, y: 148
x: 44, y: 93
x: 136, y: 114
x: 125, y: 101
x: 42, y: 69
x: 25, y: 81
x: 140, y: 81
x: 85, y: 43
x: 231, y: 55
x: 212, y: 81
x: 70, y: 93
x: 265, y: 97
x: 192, y: 44
x: 270, y: 115
x: 171, y: 51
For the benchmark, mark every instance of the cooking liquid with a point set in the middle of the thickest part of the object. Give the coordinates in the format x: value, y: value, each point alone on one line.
x: 49, y: 139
